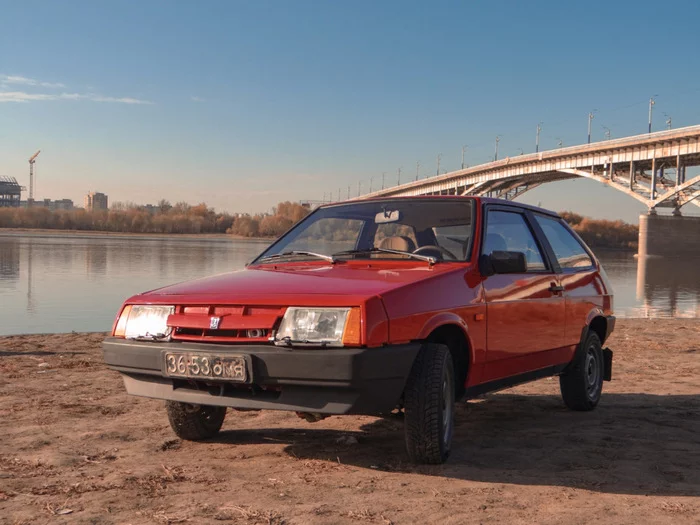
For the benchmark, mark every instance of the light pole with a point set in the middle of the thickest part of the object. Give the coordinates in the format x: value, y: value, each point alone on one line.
x: 606, y: 132
x: 590, y: 118
x: 495, y: 155
x: 383, y: 173
x: 537, y: 140
x: 438, y: 164
x: 668, y: 121
x: 463, y: 148
x: 398, y: 180
x: 651, y: 105
x: 338, y: 194
x: 417, y: 168
x: 359, y: 187
x: 348, y: 191
x: 370, y: 184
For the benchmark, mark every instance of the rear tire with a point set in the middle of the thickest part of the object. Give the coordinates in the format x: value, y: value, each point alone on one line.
x: 195, y: 422
x: 582, y: 383
x: 429, y: 400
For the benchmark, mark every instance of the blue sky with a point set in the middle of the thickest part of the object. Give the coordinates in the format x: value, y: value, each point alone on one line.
x: 244, y: 104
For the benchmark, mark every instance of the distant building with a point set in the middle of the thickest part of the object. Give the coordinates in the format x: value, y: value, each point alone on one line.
x: 10, y: 192
x: 61, y: 204
x: 95, y: 201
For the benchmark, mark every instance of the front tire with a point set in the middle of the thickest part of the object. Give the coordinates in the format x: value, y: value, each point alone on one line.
x: 582, y: 383
x: 429, y: 400
x: 195, y: 422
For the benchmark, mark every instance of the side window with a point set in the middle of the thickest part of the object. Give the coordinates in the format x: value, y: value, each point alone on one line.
x: 508, y: 231
x: 566, y: 247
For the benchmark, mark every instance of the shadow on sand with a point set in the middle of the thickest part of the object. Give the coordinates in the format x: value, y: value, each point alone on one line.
x: 13, y: 353
x: 631, y: 444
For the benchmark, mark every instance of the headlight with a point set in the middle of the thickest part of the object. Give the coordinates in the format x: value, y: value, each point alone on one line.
x: 144, y: 322
x: 319, y: 326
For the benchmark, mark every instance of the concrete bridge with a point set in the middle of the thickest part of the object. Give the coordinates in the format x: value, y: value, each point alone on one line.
x: 650, y: 168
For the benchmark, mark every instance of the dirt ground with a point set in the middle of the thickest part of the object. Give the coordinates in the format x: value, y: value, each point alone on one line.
x: 74, y: 448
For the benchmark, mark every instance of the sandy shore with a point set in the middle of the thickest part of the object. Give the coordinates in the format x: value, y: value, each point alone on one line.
x: 75, y: 448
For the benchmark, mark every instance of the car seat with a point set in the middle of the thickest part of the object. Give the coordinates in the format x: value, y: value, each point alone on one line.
x: 398, y: 242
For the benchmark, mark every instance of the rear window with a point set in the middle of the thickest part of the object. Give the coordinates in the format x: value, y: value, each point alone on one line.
x: 567, y: 249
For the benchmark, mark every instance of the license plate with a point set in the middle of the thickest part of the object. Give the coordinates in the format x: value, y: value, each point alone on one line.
x: 200, y: 366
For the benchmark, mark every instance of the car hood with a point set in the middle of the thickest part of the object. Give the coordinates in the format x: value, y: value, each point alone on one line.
x: 350, y: 279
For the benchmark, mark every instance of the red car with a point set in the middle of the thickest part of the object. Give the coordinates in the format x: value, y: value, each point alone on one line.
x: 371, y: 306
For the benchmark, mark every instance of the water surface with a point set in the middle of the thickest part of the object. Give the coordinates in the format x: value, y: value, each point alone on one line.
x: 76, y: 282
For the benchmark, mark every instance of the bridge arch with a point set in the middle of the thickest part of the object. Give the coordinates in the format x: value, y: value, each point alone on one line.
x: 650, y: 168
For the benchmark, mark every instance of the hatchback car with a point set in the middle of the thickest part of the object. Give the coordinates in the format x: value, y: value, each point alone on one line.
x: 373, y: 306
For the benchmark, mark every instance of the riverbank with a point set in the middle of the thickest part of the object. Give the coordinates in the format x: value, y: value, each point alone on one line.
x: 161, y: 219
x: 76, y: 447
x: 201, y: 221
x: 43, y: 232
x: 94, y: 233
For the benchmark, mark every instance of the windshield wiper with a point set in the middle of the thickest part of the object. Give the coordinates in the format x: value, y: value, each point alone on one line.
x: 328, y: 258
x: 426, y: 258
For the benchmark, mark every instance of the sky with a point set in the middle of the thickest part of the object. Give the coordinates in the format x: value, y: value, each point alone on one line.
x: 245, y: 104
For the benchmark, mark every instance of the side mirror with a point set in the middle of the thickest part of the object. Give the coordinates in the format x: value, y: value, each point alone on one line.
x: 502, y: 262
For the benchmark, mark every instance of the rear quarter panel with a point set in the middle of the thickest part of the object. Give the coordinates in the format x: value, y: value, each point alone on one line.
x: 588, y: 295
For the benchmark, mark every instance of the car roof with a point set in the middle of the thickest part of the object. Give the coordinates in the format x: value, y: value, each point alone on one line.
x: 504, y: 202
x: 484, y: 200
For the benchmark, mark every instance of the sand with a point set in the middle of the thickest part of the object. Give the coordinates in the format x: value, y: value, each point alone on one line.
x: 74, y: 448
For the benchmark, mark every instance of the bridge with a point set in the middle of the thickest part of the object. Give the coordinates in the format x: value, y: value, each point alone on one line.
x: 650, y: 168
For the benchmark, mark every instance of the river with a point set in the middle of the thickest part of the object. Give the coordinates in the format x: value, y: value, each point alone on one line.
x: 76, y: 282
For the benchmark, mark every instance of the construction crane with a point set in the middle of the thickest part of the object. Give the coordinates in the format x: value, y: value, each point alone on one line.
x: 32, y: 160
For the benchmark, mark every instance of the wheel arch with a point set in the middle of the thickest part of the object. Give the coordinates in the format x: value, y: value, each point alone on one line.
x: 454, y: 335
x: 597, y: 322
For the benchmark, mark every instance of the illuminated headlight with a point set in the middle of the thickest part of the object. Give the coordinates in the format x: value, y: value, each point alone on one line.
x: 145, y: 322
x: 324, y: 326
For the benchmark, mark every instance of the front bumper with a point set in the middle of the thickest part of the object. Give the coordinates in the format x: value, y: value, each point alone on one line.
x: 327, y: 381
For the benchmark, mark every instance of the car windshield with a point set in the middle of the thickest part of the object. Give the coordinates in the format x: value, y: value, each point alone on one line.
x: 436, y: 229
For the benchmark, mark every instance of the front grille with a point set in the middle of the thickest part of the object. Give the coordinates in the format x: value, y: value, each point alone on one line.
x: 236, y: 324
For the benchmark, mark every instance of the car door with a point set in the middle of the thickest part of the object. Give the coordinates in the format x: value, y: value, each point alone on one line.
x: 584, y: 290
x: 525, y: 312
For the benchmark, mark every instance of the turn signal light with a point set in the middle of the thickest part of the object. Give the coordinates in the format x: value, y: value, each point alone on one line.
x: 353, y: 328
x: 120, y: 330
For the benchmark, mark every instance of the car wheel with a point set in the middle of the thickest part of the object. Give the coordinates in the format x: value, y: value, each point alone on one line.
x: 195, y: 422
x: 582, y: 383
x: 429, y: 402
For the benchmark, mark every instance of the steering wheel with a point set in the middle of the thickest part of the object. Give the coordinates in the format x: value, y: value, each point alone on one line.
x: 443, y: 251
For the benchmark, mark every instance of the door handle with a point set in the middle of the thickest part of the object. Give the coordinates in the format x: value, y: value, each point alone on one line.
x: 555, y: 288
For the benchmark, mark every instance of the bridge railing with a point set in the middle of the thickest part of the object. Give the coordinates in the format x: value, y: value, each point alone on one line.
x: 595, y: 147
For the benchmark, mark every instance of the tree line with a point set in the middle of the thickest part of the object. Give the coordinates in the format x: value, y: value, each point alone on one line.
x: 162, y: 218
x: 600, y: 233
x: 184, y: 218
